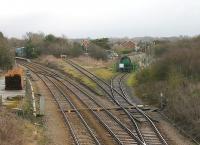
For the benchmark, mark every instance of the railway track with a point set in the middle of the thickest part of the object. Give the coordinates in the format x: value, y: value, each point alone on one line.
x: 79, y: 128
x: 128, y: 121
x: 81, y: 132
x: 148, y: 136
x: 115, y: 127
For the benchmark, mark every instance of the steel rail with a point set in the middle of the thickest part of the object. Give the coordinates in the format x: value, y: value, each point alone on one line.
x: 128, y: 114
x: 63, y: 113
x: 98, y: 78
x: 118, y: 121
x: 138, y: 109
x: 110, y: 114
x: 147, y: 117
x: 132, y: 119
x: 96, y: 115
x: 67, y: 122
x: 76, y: 110
x: 124, y: 109
x: 65, y: 117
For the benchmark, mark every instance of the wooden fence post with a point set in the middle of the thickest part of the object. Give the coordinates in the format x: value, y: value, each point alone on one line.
x: 1, y: 101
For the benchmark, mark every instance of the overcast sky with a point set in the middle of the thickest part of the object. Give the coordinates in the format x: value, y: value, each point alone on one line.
x: 100, y: 18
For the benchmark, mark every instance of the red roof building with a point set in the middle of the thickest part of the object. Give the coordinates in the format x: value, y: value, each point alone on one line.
x: 128, y: 45
x: 85, y: 43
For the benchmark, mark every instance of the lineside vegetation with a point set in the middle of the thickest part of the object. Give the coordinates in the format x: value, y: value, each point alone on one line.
x: 175, y: 74
x: 6, y: 55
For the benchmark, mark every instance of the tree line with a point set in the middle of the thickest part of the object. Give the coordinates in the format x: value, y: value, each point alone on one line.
x: 37, y: 44
x: 6, y: 54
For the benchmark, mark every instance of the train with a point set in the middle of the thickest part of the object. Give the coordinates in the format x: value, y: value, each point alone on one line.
x: 125, y: 64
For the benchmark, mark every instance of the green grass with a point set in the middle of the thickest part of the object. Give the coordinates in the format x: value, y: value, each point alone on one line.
x: 131, y: 80
x: 13, y: 102
x: 104, y: 73
x: 77, y: 75
x: 88, y: 82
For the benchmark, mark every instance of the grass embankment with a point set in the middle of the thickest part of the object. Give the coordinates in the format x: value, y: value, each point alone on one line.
x: 103, y: 69
x: 176, y: 74
x: 131, y: 80
x: 64, y: 67
x: 18, y: 128
x: 15, y: 130
x: 77, y: 75
x: 104, y: 73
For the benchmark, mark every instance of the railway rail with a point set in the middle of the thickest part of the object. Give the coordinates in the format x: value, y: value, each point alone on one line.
x: 116, y: 128
x: 136, y: 131
x: 138, y: 135
x: 80, y: 130
x: 121, y: 133
x: 149, y: 134
x: 123, y: 96
x: 117, y: 94
x: 84, y: 133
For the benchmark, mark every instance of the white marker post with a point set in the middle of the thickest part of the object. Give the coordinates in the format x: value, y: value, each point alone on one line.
x: 33, y: 99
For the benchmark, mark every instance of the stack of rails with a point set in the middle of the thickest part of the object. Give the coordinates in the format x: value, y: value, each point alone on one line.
x: 13, y: 79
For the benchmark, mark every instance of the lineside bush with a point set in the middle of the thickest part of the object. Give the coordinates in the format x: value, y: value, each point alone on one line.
x: 175, y: 73
x: 10, y: 131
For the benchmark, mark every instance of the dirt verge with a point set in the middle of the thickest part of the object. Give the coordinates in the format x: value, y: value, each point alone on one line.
x: 55, y: 129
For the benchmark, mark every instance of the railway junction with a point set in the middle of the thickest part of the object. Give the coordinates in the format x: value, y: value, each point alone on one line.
x: 90, y: 118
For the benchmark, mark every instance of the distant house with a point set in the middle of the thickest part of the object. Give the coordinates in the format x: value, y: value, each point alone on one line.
x: 85, y: 44
x: 20, y: 52
x: 111, y: 54
x: 128, y: 45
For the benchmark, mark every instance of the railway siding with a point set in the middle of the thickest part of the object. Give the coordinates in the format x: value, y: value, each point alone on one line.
x: 151, y: 124
x: 127, y: 132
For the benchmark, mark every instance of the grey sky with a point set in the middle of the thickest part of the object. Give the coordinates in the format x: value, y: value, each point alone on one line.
x: 100, y: 18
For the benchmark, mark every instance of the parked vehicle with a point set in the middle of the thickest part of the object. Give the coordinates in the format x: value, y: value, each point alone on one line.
x: 124, y: 64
